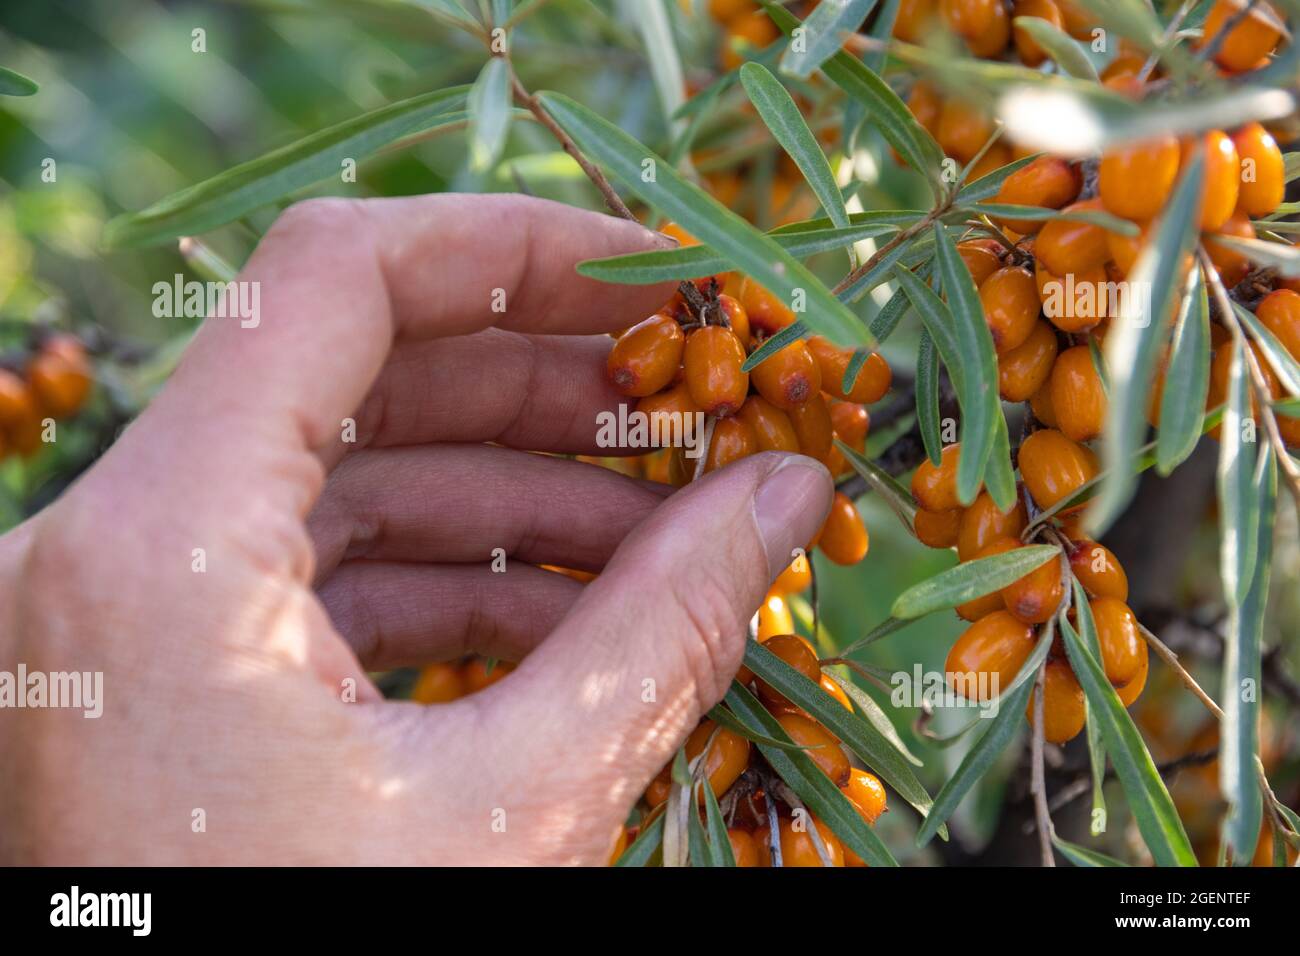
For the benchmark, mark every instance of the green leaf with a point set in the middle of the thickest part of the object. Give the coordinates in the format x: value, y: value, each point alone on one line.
x: 1242, y: 674
x: 971, y: 579
x: 238, y: 191
x: 879, y: 272
x: 489, y: 114
x: 1149, y: 801
x: 999, y: 477
x: 1135, y: 337
x: 661, y: 53
x: 851, y: 370
x: 13, y: 83
x: 1060, y: 46
x: 1097, y: 217
x: 644, y: 846
x: 876, y: 715
x: 823, y: 33
x: 927, y: 396
x: 1003, y: 720
x: 1096, y: 744
x: 757, y: 255
x: 719, y: 843
x: 1274, y: 255
x: 1238, y: 507
x: 720, y: 715
x: 1182, y: 403
x: 883, y: 483
x: 897, y: 124
x: 1281, y: 361
x: 806, y: 779
x: 778, y: 110
x: 887, y: 319
x: 861, y: 737
x: 1082, y: 856
x: 773, y: 345
x: 525, y: 8
x: 986, y: 187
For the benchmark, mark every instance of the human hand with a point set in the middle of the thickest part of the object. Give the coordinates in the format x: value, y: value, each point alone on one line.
x: 226, y: 689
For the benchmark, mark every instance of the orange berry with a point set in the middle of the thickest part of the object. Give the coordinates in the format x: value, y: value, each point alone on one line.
x: 1248, y: 42
x: 843, y: 537
x: 935, y: 486
x: 994, y: 158
x: 797, y: 847
x: 1078, y: 21
x: 1035, y: 597
x: 873, y: 377
x: 745, y: 37
x: 60, y: 377
x: 477, y: 677
x: 1231, y: 265
x: 1131, y: 691
x: 836, y: 691
x: 980, y: 607
x: 988, y: 655
x: 1040, y: 403
x: 1122, y: 646
x: 1064, y: 711
x: 794, y: 578
x: 724, y: 11
x: 983, y: 24
x: 620, y: 845
x: 1023, y: 369
x: 867, y: 793
x: 796, y: 652
x: 1027, y: 48
x: 669, y: 409
x: 712, y: 359
x: 914, y: 20
x: 1135, y: 180
x: 17, y: 402
x: 732, y: 440
x: 1053, y: 466
x: 1263, y: 171
x: 727, y: 758
x: 982, y: 523
x: 1075, y: 302
x: 925, y: 104
x: 1078, y: 395
x: 824, y: 747
x: 1279, y: 312
x: 1065, y: 246
x: 771, y: 426
x: 851, y: 423
x: 937, y: 529
x: 963, y: 129
x: 438, y: 684
x: 788, y: 378
x: 1011, y: 306
x: 1098, y: 570
x: 812, y: 424
x: 774, y: 619
x: 737, y: 317
x: 1222, y: 181
x: 646, y: 356
x: 982, y: 256
x: 1048, y: 181
x: 767, y: 313
x: 744, y: 848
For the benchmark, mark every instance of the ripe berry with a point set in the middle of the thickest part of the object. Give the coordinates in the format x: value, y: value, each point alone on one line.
x: 737, y: 317
x: 982, y: 523
x: 1263, y: 190
x: 727, y: 758
x: 983, y: 256
x: 1135, y: 180
x: 1247, y: 43
x: 843, y: 537
x: 925, y: 103
x: 1231, y: 265
x: 997, y: 156
x: 745, y: 37
x: 1053, y: 466
x: 797, y: 847
x: 774, y: 618
x: 744, y: 848
x: 767, y: 313
x: 795, y: 651
x: 17, y: 403
x: 1040, y: 403
x: 663, y: 408
x: 823, y: 746
x: 1027, y: 48
x: 1023, y: 369
x: 983, y: 24
x: 851, y: 422
x: 732, y: 440
x: 996, y: 646
x: 724, y: 11
x: 873, y: 377
x: 1122, y: 646
x: 963, y: 129
x: 60, y: 377
x: 1131, y: 691
x: 1098, y: 570
x: 1064, y: 711
x: 788, y: 378
x: 914, y: 20
x: 867, y: 793
x: 812, y: 424
x: 438, y: 684
x: 476, y: 675
x: 1065, y: 246
x: 1279, y: 312
x: 771, y: 426
x: 1222, y: 181
x: 1079, y: 21
x: 935, y: 486
x: 1078, y: 395
x: 794, y: 578
x: 646, y: 356
x: 1035, y: 597
x: 1048, y: 181
x: 977, y: 608
x: 937, y: 529
x: 1011, y: 306
x: 836, y: 691
x: 712, y: 359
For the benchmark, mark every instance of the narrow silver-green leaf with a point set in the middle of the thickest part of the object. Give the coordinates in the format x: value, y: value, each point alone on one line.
x: 1097, y: 217
x: 999, y: 476
x: 1060, y: 46
x: 720, y: 715
x: 661, y: 53
x: 745, y: 248
x: 1274, y: 255
x: 971, y: 579
x: 1282, y: 362
x: 778, y: 110
x: 1182, y: 402
x: 1087, y: 630
x: 822, y: 34
x: 719, y: 842
x: 284, y: 171
x: 927, y: 396
x: 489, y: 114
x: 986, y: 187
x: 883, y: 483
x: 13, y: 83
x: 644, y: 846
x: 873, y: 712
x: 1082, y: 856
x: 1238, y: 509
x: 773, y: 345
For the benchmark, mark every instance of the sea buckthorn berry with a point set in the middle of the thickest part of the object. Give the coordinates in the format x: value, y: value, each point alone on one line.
x: 746, y: 36
x: 851, y: 423
x: 1027, y: 48
x: 823, y: 746
x: 1011, y: 306
x: 438, y: 684
x: 994, y: 158
x: 712, y: 358
x: 937, y: 529
x: 873, y: 377
x: 1035, y: 597
x: 17, y: 402
x: 988, y: 655
x: 620, y: 845
x: 914, y: 19
x: 1064, y: 712
x: 794, y: 578
x: 1126, y: 64
x: 737, y: 317
x: 812, y: 424
x: 1263, y: 171
x: 767, y: 313
x: 774, y: 618
x: 724, y: 11
x: 925, y: 104
x: 797, y: 847
x: 727, y: 759
x: 1131, y: 691
x: 1246, y: 43
x: 981, y: 607
x: 1098, y: 570
x: 867, y: 793
x: 983, y: 24
x: 835, y: 690
x: 795, y: 651
x: 1122, y: 646
x: 1279, y: 312
x: 1231, y: 265
x: 1078, y: 21
x: 1048, y: 181
x: 646, y: 356
x: 788, y: 378
x: 771, y: 426
x: 744, y: 848
x: 982, y: 256
x: 1065, y: 245
x: 1077, y: 301
x: 1078, y: 395
x: 843, y: 537
x: 60, y: 377
x: 982, y: 523
x: 1124, y: 250
x: 1040, y: 403
x: 1221, y: 366
x: 477, y: 676
x: 1023, y: 369
x: 1222, y: 181
x: 1053, y: 466
x: 1135, y: 180
x: 732, y: 441
x: 963, y: 129
x: 935, y: 486
x: 663, y: 409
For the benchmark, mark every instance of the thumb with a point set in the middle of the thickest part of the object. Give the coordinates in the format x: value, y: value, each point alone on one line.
x: 655, y: 641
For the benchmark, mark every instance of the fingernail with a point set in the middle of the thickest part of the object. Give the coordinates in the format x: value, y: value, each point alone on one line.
x: 789, y: 508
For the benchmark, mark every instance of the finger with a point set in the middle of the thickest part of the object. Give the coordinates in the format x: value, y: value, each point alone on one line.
x: 461, y: 503
x: 653, y: 643
x: 405, y: 615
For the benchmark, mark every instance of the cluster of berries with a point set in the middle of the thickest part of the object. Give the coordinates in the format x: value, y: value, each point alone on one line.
x: 53, y: 382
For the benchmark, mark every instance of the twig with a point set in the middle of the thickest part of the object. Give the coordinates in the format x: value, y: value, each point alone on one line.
x: 1083, y: 783
x: 1171, y: 659
x: 1042, y: 815
x: 1212, y: 48
x: 1165, y: 40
